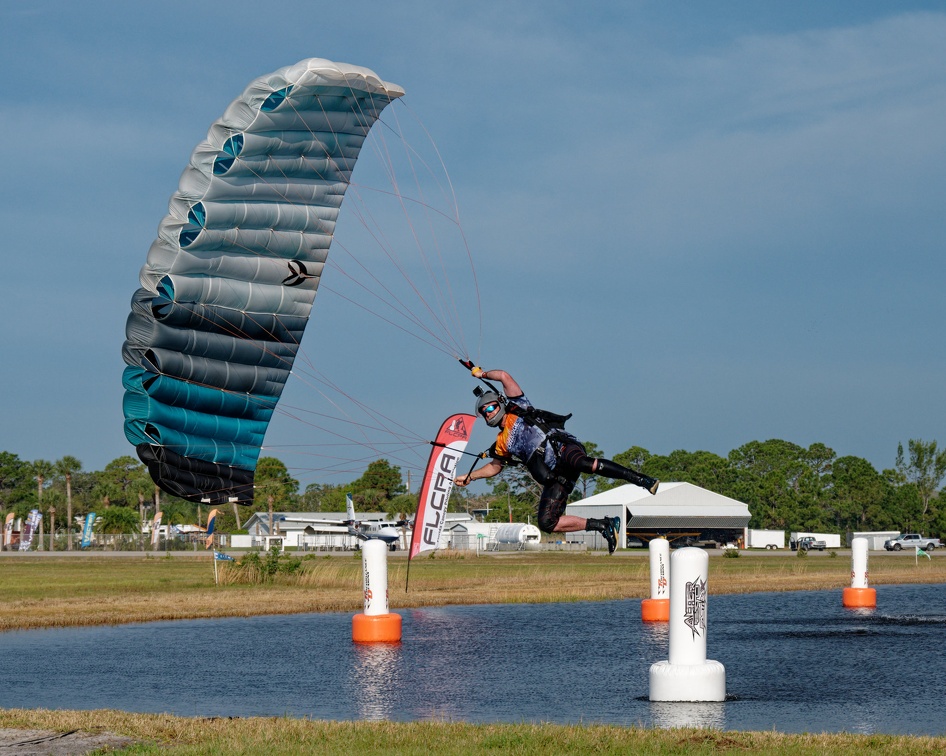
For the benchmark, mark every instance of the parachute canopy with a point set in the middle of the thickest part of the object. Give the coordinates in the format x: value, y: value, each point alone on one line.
x: 229, y: 283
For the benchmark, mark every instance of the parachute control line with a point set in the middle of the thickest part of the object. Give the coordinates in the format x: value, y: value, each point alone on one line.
x: 229, y: 283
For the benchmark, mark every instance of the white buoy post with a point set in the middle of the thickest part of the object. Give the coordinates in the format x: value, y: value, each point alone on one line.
x: 859, y: 595
x: 657, y: 607
x: 376, y: 624
x: 688, y: 675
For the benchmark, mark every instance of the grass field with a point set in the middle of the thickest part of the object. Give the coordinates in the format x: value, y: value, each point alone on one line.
x: 174, y: 736
x: 58, y: 591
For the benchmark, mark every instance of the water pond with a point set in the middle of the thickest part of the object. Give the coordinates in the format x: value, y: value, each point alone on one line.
x: 795, y: 662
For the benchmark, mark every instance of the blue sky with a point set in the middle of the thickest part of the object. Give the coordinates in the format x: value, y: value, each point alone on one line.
x: 694, y: 225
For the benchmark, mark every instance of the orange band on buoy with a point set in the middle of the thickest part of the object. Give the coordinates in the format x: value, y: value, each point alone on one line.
x: 860, y: 598
x: 655, y: 610
x: 376, y: 628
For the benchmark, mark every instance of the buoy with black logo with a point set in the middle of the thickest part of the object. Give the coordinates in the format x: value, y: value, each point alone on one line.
x: 657, y: 607
x: 688, y: 675
x: 376, y: 624
x: 859, y: 596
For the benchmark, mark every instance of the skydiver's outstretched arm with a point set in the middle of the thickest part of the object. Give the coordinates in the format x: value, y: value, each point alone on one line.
x: 489, y: 470
x: 510, y: 387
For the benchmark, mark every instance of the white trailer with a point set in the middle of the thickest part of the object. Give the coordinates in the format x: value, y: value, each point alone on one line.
x: 875, y: 538
x: 831, y: 540
x: 764, y: 539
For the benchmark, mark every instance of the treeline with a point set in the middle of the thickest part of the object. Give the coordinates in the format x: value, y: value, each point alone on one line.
x: 786, y: 486
x: 123, y: 494
x: 791, y: 487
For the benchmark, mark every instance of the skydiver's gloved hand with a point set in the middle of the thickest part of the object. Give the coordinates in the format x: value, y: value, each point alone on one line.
x: 477, y: 372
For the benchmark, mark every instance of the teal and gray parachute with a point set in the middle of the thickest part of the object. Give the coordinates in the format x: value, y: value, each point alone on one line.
x: 229, y: 283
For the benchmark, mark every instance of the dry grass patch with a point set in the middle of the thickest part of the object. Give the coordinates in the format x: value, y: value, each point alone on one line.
x: 57, y: 592
x: 165, y: 734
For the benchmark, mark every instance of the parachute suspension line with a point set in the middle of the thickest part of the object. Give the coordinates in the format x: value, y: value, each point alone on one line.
x: 375, y: 230
x: 374, y: 414
x: 445, y: 300
x: 373, y: 446
x: 447, y: 297
x: 386, y: 161
x: 453, y: 347
x: 401, y: 309
x: 352, y: 466
x: 382, y: 422
x: 444, y: 317
x: 456, y: 211
x: 386, y: 320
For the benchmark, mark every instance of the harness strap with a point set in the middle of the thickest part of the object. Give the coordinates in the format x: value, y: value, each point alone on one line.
x: 545, y: 421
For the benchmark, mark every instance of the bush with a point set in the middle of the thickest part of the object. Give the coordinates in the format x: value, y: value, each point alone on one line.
x: 731, y: 553
x: 255, y: 568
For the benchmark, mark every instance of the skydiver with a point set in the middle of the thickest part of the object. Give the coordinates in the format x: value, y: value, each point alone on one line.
x: 553, y: 457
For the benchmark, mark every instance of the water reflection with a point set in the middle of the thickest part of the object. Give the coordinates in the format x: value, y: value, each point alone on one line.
x: 448, y: 663
x: 655, y: 638
x: 706, y: 715
x: 375, y: 674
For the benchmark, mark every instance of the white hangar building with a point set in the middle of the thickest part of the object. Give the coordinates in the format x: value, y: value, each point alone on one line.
x: 682, y: 512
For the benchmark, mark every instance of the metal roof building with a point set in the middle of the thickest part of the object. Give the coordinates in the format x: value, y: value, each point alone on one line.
x: 677, y: 508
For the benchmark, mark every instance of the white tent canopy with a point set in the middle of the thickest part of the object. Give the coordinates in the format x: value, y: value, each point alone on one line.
x: 676, y: 505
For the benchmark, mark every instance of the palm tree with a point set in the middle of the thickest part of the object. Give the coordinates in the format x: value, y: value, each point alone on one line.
x: 120, y: 520
x: 43, y: 470
x: 65, y: 467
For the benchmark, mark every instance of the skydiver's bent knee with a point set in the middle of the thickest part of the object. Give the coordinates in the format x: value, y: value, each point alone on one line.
x: 548, y: 521
x: 552, y: 504
x: 573, y: 454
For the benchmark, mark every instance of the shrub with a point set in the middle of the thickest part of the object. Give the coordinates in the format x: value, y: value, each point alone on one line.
x: 254, y: 568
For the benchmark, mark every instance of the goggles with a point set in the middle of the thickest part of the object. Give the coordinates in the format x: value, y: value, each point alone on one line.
x: 492, y: 407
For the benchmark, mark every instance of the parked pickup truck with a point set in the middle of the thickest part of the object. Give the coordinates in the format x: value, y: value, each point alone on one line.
x: 808, y: 542
x: 911, y: 541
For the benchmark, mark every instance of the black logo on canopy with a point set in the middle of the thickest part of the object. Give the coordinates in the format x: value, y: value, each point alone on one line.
x: 297, y: 274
